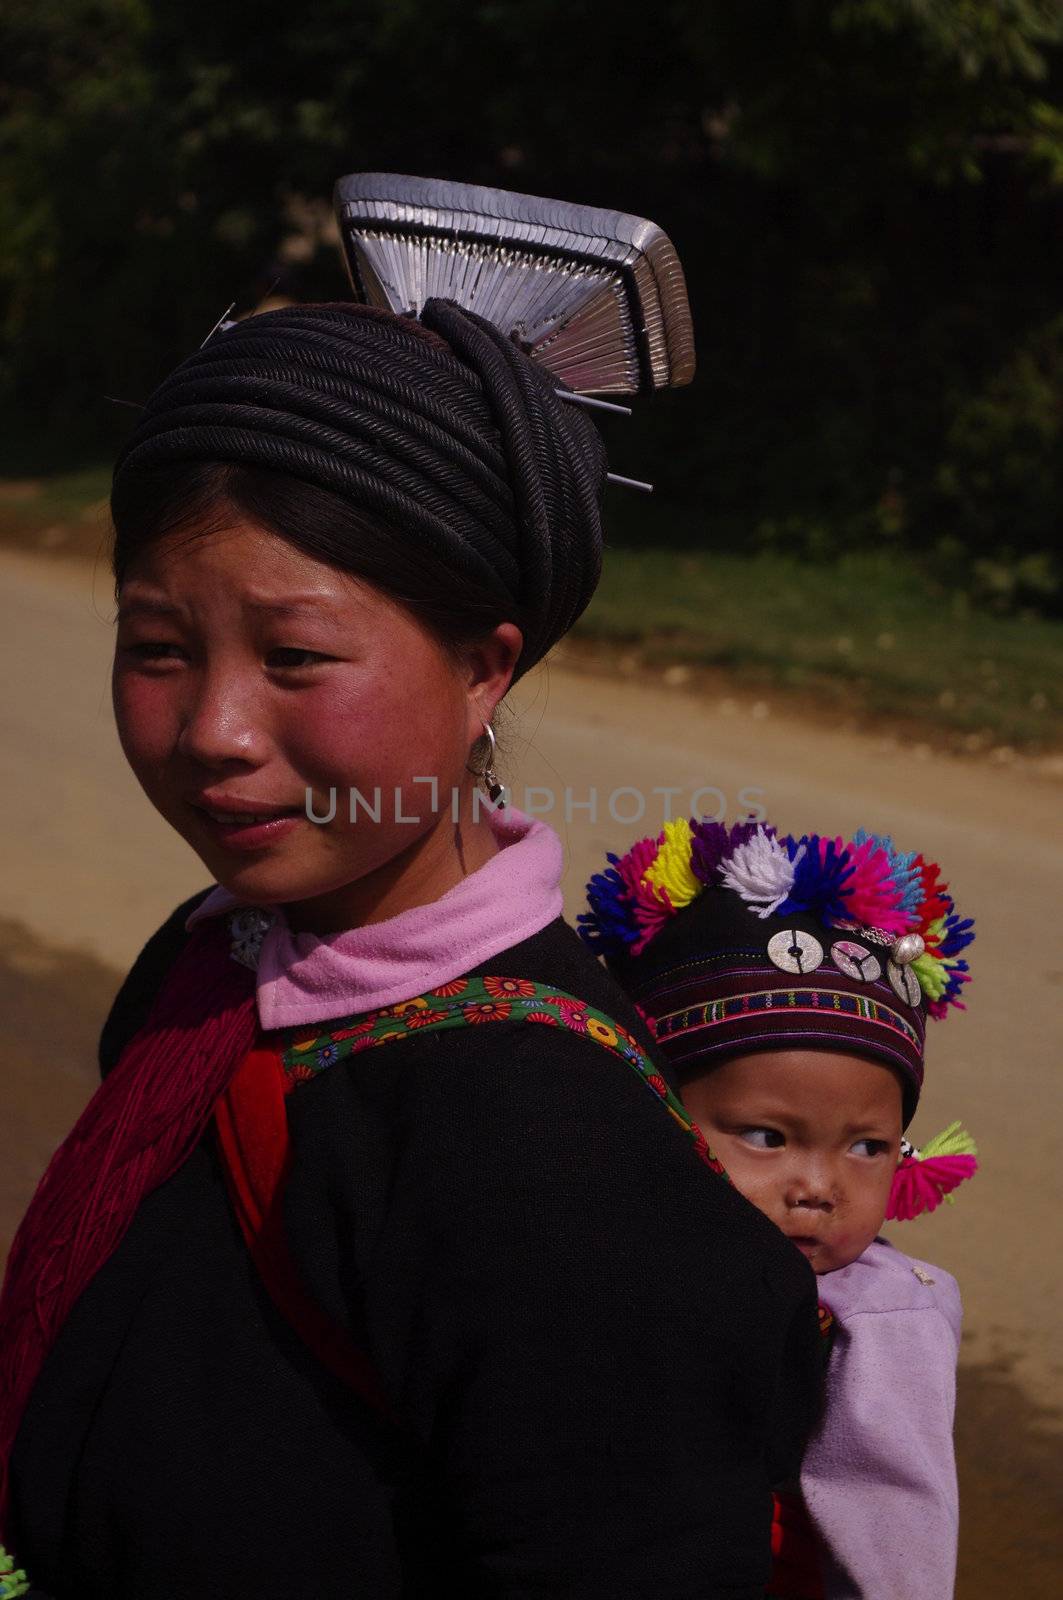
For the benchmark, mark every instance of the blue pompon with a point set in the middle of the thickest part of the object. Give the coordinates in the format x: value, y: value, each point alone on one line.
x: 609, y: 926
x: 957, y: 935
x: 956, y: 983
x: 819, y: 879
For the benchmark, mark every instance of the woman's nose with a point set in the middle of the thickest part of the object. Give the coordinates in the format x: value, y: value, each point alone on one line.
x: 220, y: 724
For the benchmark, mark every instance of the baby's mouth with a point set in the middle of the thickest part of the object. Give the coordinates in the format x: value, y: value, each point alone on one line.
x: 807, y: 1243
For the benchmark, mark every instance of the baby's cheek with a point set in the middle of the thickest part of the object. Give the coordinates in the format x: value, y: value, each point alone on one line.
x: 849, y: 1244
x: 748, y: 1175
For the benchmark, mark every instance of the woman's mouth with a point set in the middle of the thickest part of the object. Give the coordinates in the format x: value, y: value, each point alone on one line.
x: 249, y: 830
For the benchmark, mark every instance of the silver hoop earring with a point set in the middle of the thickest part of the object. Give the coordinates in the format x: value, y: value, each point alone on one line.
x: 488, y: 778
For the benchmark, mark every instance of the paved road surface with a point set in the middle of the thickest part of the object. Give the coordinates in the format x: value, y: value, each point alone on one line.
x: 89, y: 871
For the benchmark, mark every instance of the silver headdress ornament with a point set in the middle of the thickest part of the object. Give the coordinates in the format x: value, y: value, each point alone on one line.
x: 595, y: 296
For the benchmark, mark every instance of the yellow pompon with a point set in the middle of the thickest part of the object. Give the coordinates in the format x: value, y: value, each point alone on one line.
x: 670, y: 869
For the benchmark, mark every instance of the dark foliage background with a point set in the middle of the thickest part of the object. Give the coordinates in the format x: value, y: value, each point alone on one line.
x: 867, y: 196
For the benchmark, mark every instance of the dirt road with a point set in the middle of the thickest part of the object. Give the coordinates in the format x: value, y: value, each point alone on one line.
x: 89, y: 871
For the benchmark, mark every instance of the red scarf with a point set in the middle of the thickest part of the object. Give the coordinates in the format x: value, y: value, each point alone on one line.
x: 139, y: 1127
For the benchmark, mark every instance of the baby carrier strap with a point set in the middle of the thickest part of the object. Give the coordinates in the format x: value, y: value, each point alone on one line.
x: 253, y: 1140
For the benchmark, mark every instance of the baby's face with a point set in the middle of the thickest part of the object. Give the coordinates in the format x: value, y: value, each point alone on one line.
x: 811, y: 1137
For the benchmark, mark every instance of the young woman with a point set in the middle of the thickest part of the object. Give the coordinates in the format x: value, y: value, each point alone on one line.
x: 290, y: 1315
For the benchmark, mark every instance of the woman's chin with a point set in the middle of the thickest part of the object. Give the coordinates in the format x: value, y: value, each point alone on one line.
x: 267, y: 880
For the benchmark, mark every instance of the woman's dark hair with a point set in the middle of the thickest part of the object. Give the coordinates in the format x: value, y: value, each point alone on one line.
x: 431, y: 458
x: 201, y: 497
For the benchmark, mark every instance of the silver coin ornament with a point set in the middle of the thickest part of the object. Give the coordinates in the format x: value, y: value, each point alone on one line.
x: 793, y: 950
x: 904, y: 983
x: 855, y: 960
x: 909, y: 947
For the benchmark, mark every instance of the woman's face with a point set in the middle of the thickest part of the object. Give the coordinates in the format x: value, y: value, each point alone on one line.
x: 246, y: 673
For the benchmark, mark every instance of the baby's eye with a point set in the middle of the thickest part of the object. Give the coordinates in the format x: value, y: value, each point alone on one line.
x: 870, y: 1147
x: 762, y: 1138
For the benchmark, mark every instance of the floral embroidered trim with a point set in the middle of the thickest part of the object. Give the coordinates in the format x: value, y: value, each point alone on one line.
x: 13, y: 1581
x: 472, y: 1002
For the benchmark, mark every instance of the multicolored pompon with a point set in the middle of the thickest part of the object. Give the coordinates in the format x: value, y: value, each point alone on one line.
x: 940, y: 971
x: 670, y: 872
x: 904, y: 870
x: 609, y: 927
x: 865, y: 884
x: 713, y: 842
x: 872, y: 895
x: 650, y: 907
x: 935, y: 901
x: 822, y: 868
x: 761, y: 870
x: 13, y: 1581
x: 626, y: 909
x: 926, y: 1177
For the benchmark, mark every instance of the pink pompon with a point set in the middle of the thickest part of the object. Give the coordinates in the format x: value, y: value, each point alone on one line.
x: 652, y: 907
x: 920, y: 1186
x: 871, y: 896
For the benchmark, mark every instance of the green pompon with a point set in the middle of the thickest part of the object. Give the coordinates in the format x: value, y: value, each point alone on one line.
x: 12, y: 1582
x: 932, y: 973
x: 952, y: 1141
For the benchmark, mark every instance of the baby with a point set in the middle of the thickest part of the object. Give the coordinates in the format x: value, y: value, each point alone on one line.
x: 788, y: 982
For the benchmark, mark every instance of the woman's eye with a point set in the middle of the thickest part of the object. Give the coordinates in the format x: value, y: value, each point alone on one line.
x: 762, y: 1138
x: 152, y: 650
x: 870, y: 1147
x: 289, y: 656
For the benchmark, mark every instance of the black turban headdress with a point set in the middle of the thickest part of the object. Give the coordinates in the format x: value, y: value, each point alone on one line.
x: 442, y: 428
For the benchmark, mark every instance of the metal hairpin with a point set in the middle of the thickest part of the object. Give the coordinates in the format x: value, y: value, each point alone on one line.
x: 622, y: 411
x: 595, y: 296
x: 221, y: 323
x: 629, y: 483
x: 595, y: 405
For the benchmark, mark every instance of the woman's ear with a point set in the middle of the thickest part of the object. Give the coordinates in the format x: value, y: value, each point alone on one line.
x: 490, y: 664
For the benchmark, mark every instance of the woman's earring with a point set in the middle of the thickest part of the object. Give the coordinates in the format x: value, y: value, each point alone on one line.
x: 489, y: 781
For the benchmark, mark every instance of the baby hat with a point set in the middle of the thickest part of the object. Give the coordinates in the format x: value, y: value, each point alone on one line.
x: 734, y: 940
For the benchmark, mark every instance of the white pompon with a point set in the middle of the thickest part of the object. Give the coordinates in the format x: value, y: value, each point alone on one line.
x: 761, y: 872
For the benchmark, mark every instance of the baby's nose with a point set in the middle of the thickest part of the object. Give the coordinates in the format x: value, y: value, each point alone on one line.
x: 812, y: 1187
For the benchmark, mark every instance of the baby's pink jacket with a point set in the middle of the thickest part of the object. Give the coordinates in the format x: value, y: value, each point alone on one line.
x: 879, y: 1476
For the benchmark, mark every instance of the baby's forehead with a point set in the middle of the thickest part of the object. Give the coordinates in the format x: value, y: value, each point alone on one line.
x: 820, y: 1084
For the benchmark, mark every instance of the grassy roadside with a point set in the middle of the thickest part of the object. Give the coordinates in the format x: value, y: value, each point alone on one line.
x: 63, y: 514
x: 867, y: 637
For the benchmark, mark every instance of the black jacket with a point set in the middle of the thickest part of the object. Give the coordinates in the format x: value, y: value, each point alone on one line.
x: 603, y: 1355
